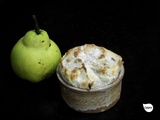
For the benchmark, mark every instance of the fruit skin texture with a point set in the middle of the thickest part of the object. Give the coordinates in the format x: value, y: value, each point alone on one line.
x: 35, y: 57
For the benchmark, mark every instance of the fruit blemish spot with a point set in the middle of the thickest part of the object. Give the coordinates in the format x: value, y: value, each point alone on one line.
x: 50, y: 45
x: 42, y: 41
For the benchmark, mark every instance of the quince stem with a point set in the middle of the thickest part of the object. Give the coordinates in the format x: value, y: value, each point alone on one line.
x: 37, y: 29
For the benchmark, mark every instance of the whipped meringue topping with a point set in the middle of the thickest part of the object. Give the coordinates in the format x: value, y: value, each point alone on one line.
x: 90, y: 67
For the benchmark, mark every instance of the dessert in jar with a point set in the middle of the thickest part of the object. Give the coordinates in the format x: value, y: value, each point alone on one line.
x: 90, y: 78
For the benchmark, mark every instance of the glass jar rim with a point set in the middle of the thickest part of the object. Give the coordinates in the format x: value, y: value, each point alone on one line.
x: 61, y: 79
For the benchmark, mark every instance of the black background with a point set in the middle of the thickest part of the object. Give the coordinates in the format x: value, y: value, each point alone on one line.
x: 129, y: 29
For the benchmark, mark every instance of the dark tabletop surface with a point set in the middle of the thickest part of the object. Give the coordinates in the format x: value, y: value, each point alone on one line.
x: 129, y: 29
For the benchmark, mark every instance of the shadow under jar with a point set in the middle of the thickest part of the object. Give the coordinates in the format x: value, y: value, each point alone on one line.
x: 91, y: 101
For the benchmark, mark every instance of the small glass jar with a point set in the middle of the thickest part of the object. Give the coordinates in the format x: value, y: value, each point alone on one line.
x: 91, y: 101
